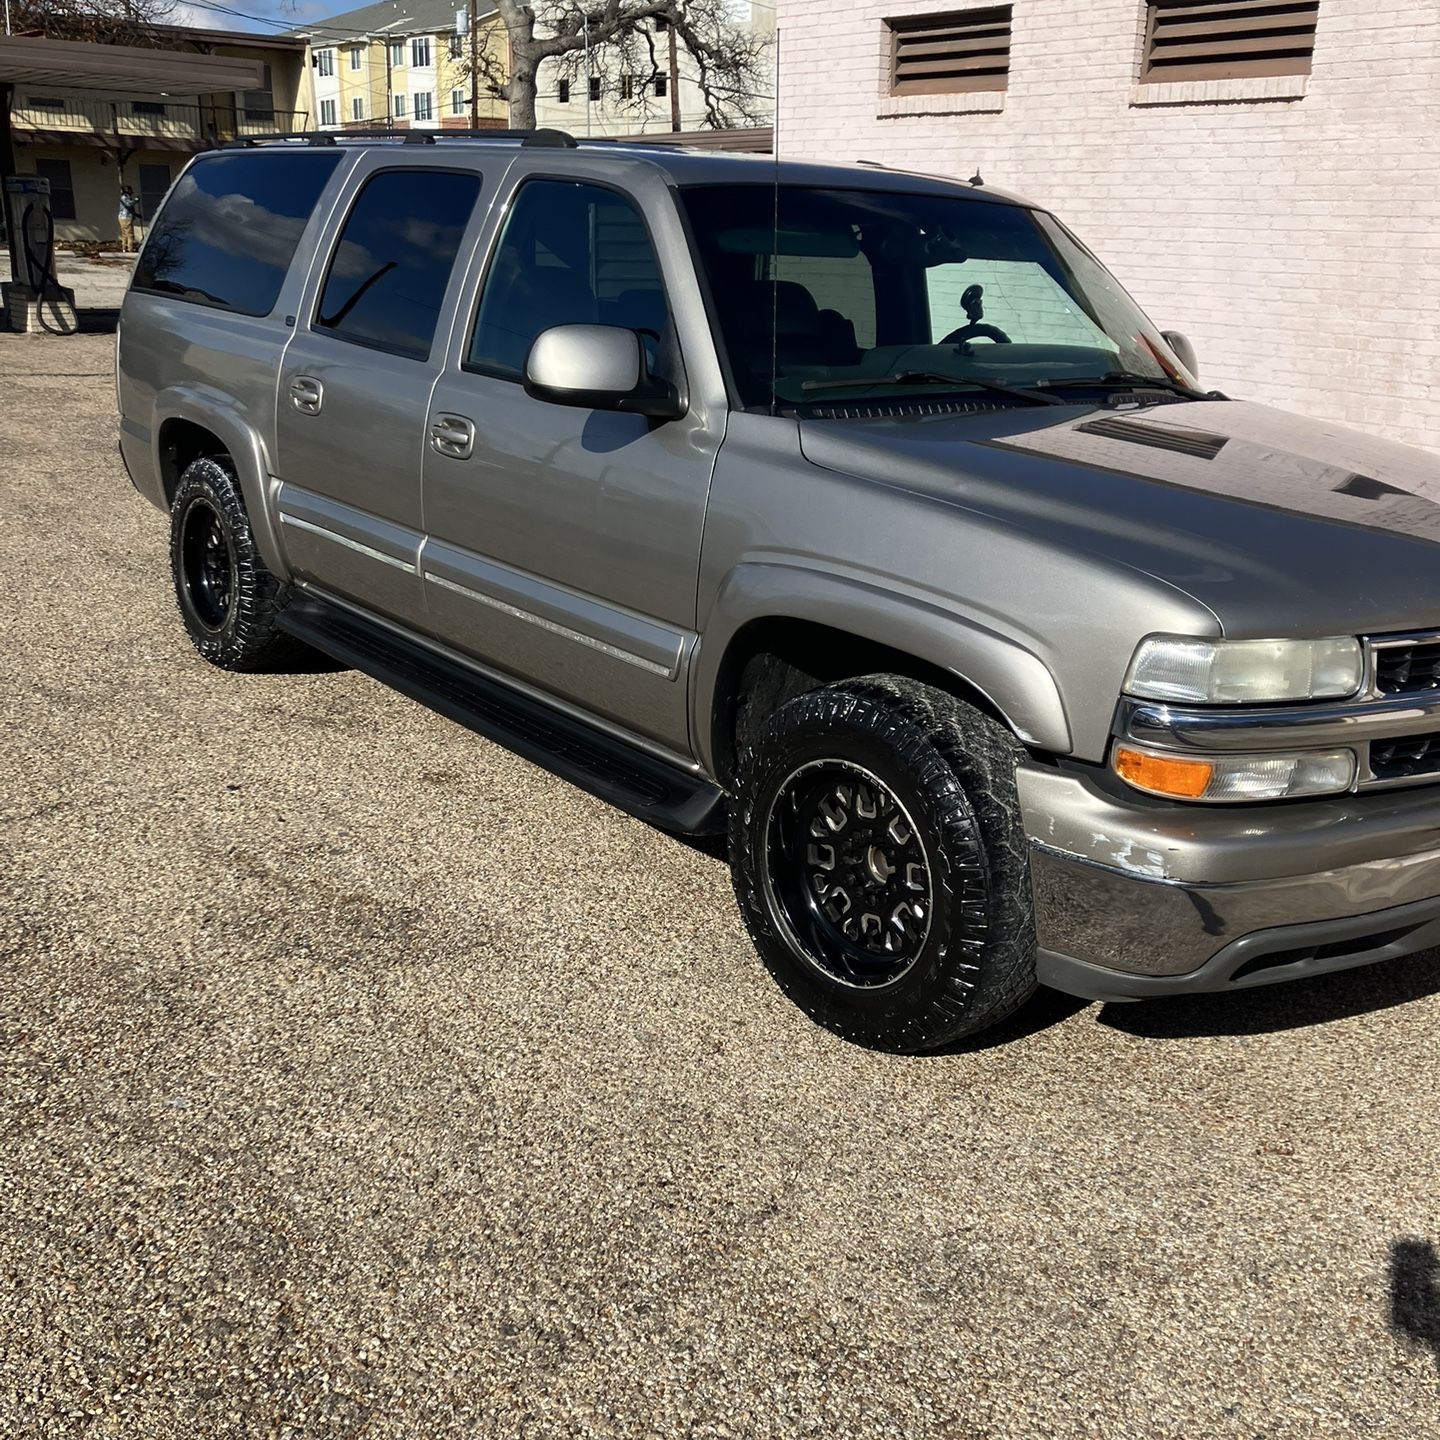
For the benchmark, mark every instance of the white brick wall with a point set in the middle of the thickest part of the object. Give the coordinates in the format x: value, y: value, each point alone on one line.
x: 1290, y: 227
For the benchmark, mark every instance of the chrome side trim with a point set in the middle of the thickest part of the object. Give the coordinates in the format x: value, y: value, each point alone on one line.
x: 334, y: 535
x: 553, y: 626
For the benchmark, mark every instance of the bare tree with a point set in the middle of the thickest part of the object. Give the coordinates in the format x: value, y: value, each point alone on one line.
x: 727, y: 61
x: 108, y: 22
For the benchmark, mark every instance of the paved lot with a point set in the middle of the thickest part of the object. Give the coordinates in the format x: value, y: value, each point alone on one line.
x: 361, y: 1080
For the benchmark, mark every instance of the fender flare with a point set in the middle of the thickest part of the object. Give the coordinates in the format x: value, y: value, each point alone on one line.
x: 1016, y: 682
x: 236, y: 432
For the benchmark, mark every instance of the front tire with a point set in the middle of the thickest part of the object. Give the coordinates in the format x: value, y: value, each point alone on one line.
x: 229, y: 601
x: 880, y: 863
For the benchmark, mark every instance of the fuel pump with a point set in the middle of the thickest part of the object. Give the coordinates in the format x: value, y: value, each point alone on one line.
x: 35, y: 294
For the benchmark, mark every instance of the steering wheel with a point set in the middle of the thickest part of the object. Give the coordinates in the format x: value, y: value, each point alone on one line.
x: 973, y: 331
x: 973, y: 304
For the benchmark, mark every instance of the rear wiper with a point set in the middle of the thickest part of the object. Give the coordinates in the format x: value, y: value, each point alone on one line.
x: 934, y: 377
x: 1130, y: 378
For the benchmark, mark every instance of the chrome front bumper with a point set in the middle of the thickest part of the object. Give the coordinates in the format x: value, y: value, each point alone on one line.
x: 1136, y: 898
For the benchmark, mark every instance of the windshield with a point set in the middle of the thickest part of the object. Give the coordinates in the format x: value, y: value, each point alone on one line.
x: 853, y: 285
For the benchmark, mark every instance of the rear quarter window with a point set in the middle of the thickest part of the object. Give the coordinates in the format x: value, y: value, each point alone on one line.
x: 228, y: 232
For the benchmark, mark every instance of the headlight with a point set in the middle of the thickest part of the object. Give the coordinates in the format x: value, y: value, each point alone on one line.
x: 1234, y: 778
x: 1245, y: 672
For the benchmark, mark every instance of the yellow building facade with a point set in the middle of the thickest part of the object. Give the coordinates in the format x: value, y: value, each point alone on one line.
x: 403, y: 67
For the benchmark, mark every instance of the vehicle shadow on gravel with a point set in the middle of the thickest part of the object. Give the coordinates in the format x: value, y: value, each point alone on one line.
x: 1290, y: 1006
x: 1415, y: 1294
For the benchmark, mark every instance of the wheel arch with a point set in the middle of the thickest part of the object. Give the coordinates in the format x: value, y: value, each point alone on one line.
x: 775, y: 634
x: 189, y: 425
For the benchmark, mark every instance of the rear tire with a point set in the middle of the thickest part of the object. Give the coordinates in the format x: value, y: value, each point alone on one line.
x: 229, y: 601
x: 880, y: 863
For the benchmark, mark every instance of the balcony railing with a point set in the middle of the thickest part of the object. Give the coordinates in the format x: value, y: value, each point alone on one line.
x: 162, y: 121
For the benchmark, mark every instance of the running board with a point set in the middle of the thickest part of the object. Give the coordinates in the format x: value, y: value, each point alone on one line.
x: 622, y: 775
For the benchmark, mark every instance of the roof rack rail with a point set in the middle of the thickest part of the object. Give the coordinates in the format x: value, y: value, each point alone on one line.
x: 557, y: 139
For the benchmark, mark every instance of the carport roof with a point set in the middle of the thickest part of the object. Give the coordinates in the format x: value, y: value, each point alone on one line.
x: 80, y: 64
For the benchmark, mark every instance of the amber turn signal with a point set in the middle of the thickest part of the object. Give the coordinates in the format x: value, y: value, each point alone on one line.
x: 1164, y: 774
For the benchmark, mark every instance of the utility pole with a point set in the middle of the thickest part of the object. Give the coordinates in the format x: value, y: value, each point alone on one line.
x: 589, y: 101
x: 389, y: 84
x: 474, y: 71
x: 674, y: 79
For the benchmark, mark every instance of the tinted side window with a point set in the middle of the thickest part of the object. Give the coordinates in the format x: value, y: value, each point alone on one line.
x: 391, y: 267
x: 571, y: 255
x: 228, y: 232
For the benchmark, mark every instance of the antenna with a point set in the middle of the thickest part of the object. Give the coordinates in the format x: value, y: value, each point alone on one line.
x: 775, y: 240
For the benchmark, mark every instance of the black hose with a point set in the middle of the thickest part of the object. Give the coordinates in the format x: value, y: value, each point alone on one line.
x: 44, y: 267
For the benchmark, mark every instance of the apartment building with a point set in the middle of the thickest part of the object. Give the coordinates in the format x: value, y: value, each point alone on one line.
x: 400, y: 63
x: 1261, y: 174
x: 89, y: 142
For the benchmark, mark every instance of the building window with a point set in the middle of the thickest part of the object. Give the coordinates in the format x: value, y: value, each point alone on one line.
x: 662, y: 86
x: 627, y: 87
x: 420, y: 51
x: 325, y: 62
x: 1226, y: 39
x: 397, y: 54
x: 356, y: 57
x: 950, y: 54
x: 154, y: 182
x: 357, y: 108
x: 260, y: 104
x: 62, y: 187
x: 594, y: 87
x: 148, y: 107
x: 399, y: 107
x: 457, y: 47
x: 457, y: 102
x: 424, y: 105
x: 327, y: 112
x: 44, y: 102
x: 562, y: 92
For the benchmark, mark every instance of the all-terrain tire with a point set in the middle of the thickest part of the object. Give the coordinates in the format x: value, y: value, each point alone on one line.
x: 230, y: 603
x: 949, y: 771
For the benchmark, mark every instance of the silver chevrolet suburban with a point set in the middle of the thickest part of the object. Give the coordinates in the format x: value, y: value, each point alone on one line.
x: 858, y: 512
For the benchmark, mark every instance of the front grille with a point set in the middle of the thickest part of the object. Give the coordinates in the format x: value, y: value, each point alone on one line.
x: 1405, y: 757
x: 1408, y: 668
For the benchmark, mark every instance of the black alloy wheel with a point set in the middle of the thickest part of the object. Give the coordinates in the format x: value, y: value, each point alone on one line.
x: 847, y: 873
x: 207, y: 565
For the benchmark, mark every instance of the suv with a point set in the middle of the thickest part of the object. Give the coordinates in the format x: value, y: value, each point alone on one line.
x: 857, y: 511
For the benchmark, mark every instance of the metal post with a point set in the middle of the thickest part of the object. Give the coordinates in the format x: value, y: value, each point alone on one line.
x: 589, y: 103
x: 674, y: 79
x: 474, y: 72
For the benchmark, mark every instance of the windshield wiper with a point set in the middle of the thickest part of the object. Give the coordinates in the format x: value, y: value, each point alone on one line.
x: 934, y: 377
x: 1130, y: 378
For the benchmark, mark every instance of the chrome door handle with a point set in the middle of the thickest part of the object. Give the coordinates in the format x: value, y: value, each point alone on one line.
x: 307, y: 394
x: 453, y: 435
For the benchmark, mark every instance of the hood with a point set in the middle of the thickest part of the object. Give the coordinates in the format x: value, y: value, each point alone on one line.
x: 1279, y: 524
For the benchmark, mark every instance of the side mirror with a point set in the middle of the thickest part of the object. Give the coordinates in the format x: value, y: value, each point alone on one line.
x: 598, y: 367
x: 1184, y: 350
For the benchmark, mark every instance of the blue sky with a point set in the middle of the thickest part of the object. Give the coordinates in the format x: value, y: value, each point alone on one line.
x: 269, y: 17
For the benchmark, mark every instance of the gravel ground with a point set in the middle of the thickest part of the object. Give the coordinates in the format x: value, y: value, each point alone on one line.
x: 362, y: 1080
